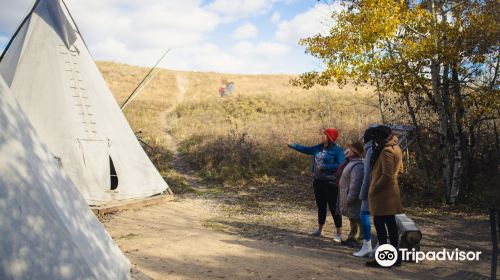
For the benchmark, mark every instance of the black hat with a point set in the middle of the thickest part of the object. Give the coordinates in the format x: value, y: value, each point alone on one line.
x: 382, y: 132
x: 369, y: 134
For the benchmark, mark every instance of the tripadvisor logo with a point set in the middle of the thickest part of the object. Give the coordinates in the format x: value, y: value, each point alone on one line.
x: 386, y: 255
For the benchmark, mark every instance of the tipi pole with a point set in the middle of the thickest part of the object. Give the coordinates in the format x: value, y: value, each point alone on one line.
x: 18, y: 30
x: 136, y: 91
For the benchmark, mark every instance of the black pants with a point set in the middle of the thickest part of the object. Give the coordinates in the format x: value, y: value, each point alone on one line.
x: 326, y: 193
x: 380, y: 226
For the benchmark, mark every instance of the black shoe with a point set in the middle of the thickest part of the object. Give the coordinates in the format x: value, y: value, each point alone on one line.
x: 375, y: 264
x: 350, y: 242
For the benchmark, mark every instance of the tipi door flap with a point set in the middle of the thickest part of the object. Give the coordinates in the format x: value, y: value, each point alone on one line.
x: 95, y: 155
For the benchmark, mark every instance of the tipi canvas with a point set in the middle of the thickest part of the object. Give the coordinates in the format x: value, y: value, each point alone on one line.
x: 58, y: 85
x: 47, y: 230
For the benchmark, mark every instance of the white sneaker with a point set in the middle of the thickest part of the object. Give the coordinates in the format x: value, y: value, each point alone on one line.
x: 337, y: 238
x: 365, y: 250
x: 372, y: 252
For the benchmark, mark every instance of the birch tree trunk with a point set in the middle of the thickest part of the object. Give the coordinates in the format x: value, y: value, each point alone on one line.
x: 443, y: 127
x: 438, y: 95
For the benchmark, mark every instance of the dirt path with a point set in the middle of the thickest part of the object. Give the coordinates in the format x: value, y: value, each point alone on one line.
x: 181, y: 88
x: 180, y: 164
x: 175, y: 240
x: 182, y: 84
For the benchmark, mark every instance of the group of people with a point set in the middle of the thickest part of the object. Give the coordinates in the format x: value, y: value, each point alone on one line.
x: 358, y: 183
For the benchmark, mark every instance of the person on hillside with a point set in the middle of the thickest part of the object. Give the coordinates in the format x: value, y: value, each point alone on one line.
x: 222, y: 88
x: 363, y: 196
x: 383, y: 194
x: 326, y: 158
x: 351, y: 179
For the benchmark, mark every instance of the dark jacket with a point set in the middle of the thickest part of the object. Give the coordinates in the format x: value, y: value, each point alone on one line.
x: 363, y: 194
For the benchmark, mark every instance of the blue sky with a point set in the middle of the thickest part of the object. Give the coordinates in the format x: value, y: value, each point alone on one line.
x: 232, y: 36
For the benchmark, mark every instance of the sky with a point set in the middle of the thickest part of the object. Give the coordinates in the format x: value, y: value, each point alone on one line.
x: 229, y: 36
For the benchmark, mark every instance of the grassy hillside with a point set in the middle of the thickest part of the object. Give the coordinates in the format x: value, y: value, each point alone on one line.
x: 238, y: 139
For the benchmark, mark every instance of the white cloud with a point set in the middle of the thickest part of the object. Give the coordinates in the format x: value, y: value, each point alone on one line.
x: 206, y: 57
x: 245, y: 31
x: 266, y: 49
x: 141, y: 31
x: 138, y: 32
x: 144, y: 24
x: 276, y: 17
x: 231, y: 10
x: 243, y: 57
x: 183, y: 15
x: 316, y: 20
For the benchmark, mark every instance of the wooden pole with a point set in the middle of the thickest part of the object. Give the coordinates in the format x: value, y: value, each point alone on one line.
x: 136, y: 91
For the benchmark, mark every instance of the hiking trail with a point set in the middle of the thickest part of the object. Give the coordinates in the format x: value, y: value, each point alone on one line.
x: 180, y: 164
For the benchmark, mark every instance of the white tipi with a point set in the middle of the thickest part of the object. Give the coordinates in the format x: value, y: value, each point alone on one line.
x: 47, y: 230
x: 59, y: 87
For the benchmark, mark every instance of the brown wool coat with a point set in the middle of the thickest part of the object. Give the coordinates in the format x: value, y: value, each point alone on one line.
x: 383, y: 196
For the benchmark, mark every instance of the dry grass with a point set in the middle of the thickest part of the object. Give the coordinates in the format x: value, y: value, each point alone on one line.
x: 238, y: 138
x: 237, y: 142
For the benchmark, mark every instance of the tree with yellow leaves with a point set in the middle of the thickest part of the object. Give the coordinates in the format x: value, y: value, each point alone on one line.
x: 437, y: 56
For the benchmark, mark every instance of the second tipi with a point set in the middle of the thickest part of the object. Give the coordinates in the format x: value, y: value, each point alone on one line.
x: 47, y: 230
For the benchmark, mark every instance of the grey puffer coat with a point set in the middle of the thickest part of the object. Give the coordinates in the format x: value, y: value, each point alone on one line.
x: 348, y: 203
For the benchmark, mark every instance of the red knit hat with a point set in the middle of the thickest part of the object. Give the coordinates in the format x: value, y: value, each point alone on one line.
x: 332, y: 134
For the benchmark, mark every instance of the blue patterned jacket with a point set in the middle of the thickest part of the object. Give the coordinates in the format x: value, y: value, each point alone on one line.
x: 328, y: 159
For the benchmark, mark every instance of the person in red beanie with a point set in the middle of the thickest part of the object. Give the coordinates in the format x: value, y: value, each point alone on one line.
x: 326, y: 158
